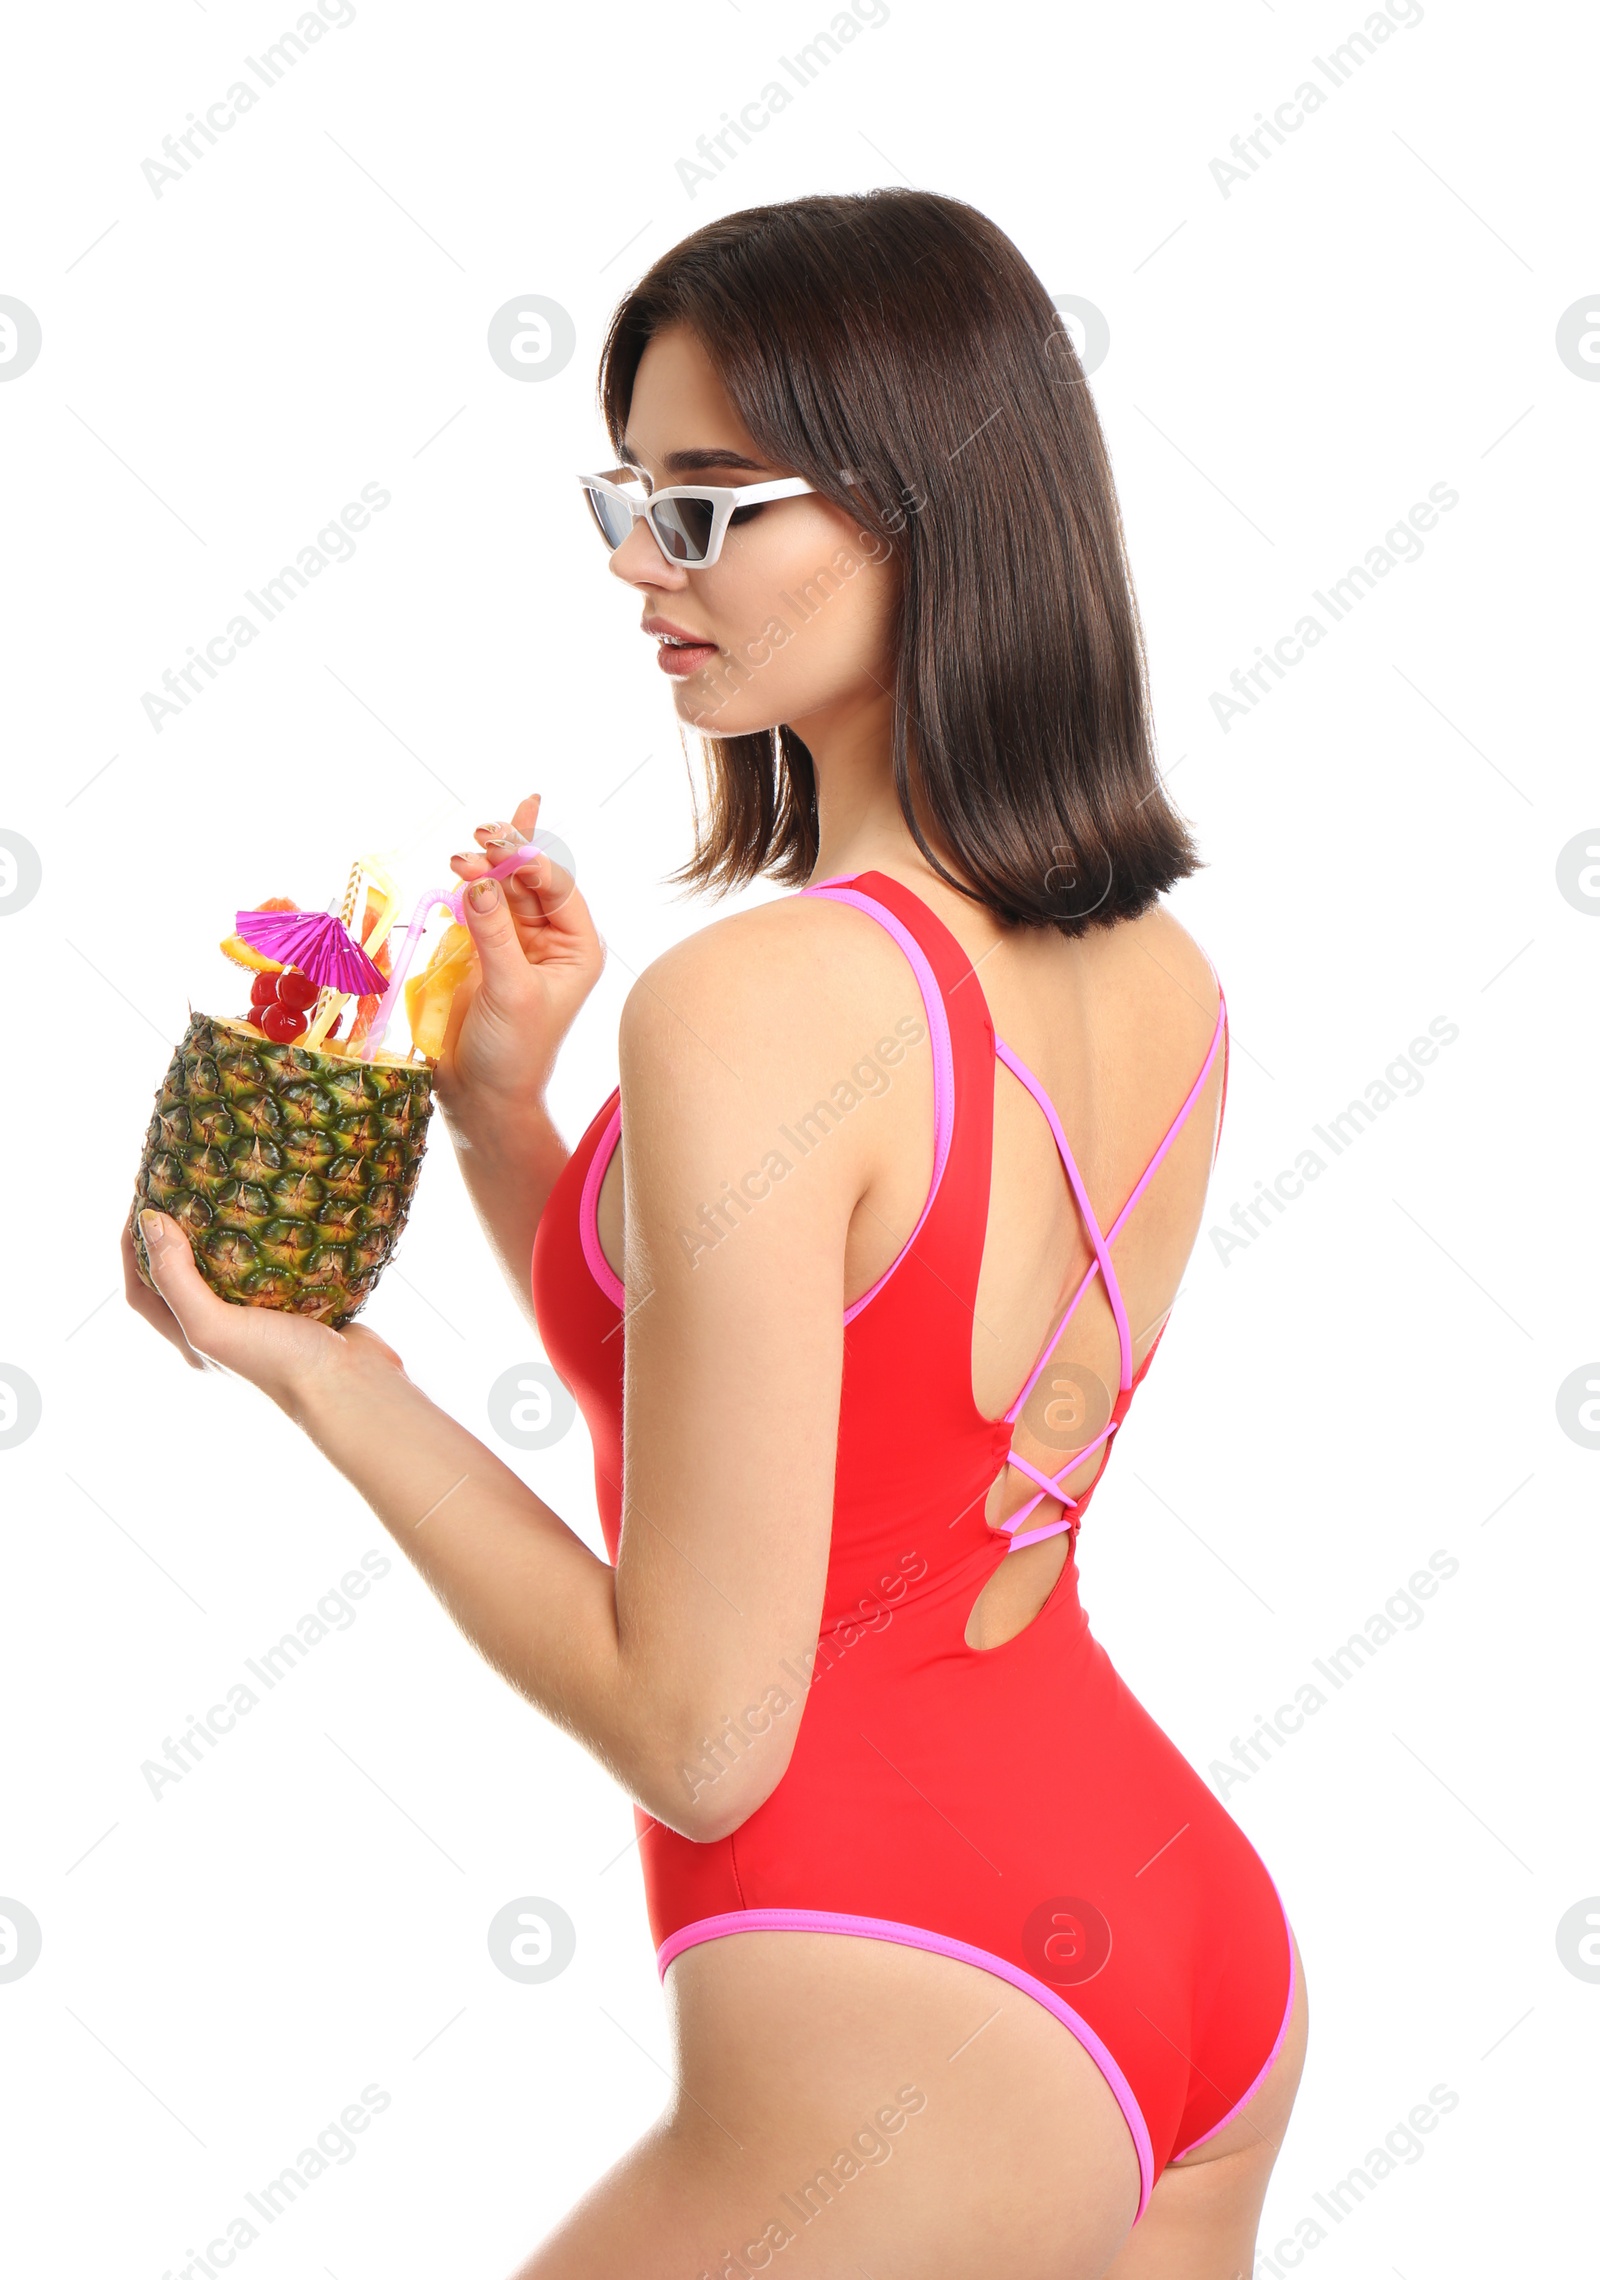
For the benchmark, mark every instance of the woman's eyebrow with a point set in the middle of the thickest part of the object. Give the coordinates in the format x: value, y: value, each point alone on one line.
x: 697, y: 462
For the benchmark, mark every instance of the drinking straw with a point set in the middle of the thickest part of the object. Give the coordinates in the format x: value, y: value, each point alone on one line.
x: 330, y: 1003
x: 452, y: 899
x: 330, y: 1000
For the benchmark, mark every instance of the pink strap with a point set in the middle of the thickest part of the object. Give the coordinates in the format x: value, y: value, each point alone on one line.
x: 1038, y: 1535
x: 1044, y: 1479
x: 1120, y: 1221
x: 589, y: 1210
x: 1195, y: 1091
x: 1101, y: 1265
x: 1050, y: 1485
x: 1102, y: 1255
x: 944, y: 1088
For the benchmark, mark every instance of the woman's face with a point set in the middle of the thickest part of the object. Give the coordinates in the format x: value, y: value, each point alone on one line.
x: 792, y: 621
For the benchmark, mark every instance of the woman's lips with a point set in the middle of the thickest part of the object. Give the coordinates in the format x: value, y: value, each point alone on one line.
x: 680, y: 662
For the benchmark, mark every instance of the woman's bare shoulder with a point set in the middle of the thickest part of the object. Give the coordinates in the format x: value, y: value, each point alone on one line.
x: 1164, y: 968
x: 802, y: 967
x: 764, y: 1018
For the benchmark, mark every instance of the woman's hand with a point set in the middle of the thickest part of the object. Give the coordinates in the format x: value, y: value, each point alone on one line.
x: 538, y: 958
x: 286, y: 1355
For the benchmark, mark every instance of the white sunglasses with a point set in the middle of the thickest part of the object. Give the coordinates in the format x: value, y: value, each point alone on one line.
x: 687, y: 520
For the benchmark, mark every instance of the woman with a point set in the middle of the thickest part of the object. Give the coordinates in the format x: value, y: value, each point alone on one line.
x: 969, y: 1971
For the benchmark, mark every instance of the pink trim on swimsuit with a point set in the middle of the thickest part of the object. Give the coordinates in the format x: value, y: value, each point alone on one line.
x: 911, y: 1935
x: 589, y: 1211
x: 944, y: 1112
x: 1240, y: 2103
x: 944, y: 1082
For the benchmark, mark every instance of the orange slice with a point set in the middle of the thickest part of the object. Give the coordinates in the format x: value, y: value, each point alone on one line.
x: 245, y: 953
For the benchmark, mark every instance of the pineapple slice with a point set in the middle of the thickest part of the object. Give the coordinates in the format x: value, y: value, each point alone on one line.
x: 430, y: 994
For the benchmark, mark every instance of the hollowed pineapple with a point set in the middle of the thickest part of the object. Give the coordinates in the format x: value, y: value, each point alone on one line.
x: 291, y: 1169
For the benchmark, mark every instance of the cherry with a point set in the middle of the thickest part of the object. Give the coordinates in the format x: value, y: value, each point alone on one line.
x: 296, y: 990
x: 264, y: 989
x: 283, y: 1024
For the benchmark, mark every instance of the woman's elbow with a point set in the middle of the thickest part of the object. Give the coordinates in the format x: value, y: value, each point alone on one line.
x: 711, y: 1789
x: 720, y: 1817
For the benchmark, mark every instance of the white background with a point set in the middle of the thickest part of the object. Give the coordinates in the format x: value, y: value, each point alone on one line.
x: 1370, y: 1381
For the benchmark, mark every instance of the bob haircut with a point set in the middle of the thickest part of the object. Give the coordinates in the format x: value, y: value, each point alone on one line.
x: 900, y: 336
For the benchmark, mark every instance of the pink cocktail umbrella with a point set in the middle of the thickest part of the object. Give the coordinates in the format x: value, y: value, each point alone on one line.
x: 316, y: 942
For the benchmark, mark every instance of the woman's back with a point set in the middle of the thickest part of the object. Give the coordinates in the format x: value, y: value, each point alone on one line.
x: 1115, y: 1025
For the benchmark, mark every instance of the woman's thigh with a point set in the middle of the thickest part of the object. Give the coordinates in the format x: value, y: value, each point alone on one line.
x: 848, y: 2105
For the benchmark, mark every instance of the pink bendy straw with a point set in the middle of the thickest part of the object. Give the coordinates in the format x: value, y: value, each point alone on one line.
x: 452, y: 901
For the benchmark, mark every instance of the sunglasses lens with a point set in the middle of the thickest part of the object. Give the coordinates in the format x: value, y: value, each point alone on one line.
x: 684, y: 528
x: 611, y: 515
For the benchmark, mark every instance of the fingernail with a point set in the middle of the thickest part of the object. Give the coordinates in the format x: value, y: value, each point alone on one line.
x: 483, y: 894
x: 152, y: 1228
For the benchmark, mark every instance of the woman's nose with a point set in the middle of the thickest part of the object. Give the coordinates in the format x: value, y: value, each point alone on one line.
x: 639, y: 561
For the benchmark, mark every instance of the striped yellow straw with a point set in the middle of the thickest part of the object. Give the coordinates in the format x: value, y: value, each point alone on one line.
x: 330, y: 1000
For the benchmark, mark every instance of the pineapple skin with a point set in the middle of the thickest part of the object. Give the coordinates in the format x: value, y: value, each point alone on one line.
x: 292, y: 1171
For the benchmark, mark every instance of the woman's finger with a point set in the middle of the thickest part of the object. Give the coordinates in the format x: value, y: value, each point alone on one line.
x: 525, y: 816
x: 496, y: 840
x: 567, y: 931
x: 194, y: 1305
x: 551, y: 891
x: 542, y: 897
x: 280, y: 1351
x: 501, y: 956
x: 520, y: 886
x: 150, y: 1303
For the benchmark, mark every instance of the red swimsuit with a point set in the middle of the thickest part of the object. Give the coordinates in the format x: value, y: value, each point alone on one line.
x: 1012, y: 1806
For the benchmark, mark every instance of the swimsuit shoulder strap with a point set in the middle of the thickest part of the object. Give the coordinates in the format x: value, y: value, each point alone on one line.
x: 936, y: 1272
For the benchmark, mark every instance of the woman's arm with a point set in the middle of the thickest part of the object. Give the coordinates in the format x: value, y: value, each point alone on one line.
x: 510, y: 1163
x: 733, y: 1370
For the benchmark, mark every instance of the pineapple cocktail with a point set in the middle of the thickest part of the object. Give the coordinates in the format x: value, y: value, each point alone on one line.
x: 288, y: 1153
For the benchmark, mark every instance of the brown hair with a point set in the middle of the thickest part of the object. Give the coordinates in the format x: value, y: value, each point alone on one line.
x: 900, y: 336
